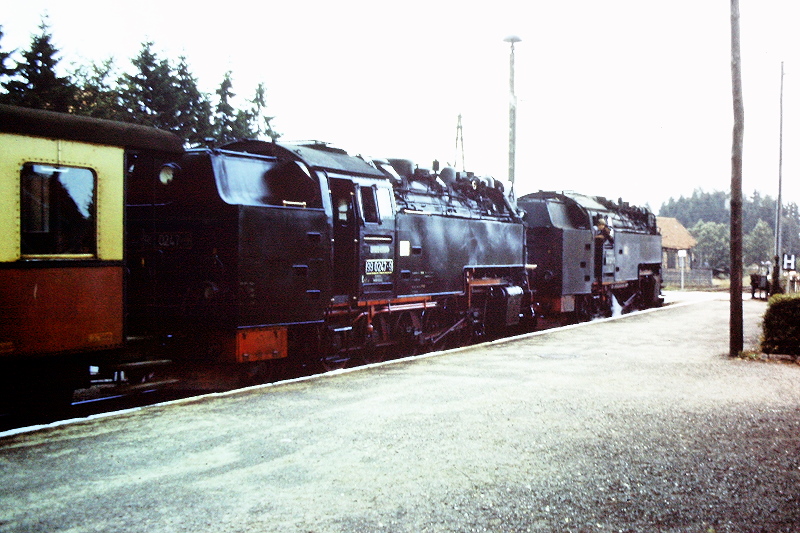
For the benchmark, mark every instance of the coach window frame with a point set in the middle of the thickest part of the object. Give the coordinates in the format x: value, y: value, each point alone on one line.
x: 55, y: 215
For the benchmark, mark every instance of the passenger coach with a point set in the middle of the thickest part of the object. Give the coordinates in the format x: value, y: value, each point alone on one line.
x: 62, y: 279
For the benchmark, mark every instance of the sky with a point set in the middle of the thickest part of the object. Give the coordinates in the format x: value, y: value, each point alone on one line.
x: 624, y: 99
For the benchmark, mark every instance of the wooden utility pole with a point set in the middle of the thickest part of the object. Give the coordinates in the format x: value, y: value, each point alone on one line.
x: 776, y: 271
x: 736, y: 320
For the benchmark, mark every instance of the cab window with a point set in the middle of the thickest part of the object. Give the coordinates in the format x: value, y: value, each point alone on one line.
x: 57, y: 210
x: 369, y: 205
x: 384, y: 203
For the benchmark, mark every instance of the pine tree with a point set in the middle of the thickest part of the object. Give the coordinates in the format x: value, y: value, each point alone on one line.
x: 5, y: 71
x: 35, y: 83
x: 194, y: 107
x: 148, y: 96
x: 165, y: 97
x: 96, y: 94
x: 156, y: 93
x: 228, y: 124
x: 262, y: 124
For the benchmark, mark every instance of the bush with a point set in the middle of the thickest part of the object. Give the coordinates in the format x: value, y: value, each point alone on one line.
x: 782, y: 325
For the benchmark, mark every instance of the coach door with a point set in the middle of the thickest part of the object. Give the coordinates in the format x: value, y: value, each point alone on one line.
x: 345, y: 240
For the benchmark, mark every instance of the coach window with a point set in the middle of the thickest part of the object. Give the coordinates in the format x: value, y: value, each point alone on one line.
x: 57, y: 210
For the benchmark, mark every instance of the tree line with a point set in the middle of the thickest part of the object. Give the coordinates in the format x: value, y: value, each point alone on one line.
x: 707, y: 217
x: 157, y: 92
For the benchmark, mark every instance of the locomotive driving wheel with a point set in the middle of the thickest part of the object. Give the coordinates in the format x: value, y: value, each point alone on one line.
x: 404, y: 333
x: 443, y: 330
x: 332, y: 355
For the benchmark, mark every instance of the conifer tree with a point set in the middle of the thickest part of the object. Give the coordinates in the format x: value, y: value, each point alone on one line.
x: 194, y: 106
x: 262, y: 124
x: 166, y: 97
x: 96, y: 93
x: 5, y: 56
x: 35, y: 82
x: 229, y: 125
x: 147, y: 96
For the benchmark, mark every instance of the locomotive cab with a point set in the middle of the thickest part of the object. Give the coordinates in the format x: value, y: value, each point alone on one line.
x: 231, y: 248
x: 363, y: 239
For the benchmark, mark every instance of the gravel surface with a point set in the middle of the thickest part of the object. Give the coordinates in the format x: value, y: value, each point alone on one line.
x: 636, y: 424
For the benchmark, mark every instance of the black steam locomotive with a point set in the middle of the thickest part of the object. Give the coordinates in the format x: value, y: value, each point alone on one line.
x: 257, y: 251
x: 593, y: 256
x: 120, y: 252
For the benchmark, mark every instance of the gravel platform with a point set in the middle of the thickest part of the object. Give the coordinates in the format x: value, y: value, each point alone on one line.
x: 636, y: 424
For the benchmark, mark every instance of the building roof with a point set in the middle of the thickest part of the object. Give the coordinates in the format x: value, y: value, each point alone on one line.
x: 673, y: 235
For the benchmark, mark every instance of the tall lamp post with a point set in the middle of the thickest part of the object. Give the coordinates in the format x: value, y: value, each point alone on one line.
x: 512, y: 116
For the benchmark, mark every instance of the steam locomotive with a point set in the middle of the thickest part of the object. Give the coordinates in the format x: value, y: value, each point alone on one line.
x: 594, y: 257
x: 120, y: 252
x: 255, y: 251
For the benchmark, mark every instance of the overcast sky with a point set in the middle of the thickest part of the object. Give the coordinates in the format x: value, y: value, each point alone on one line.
x: 620, y: 98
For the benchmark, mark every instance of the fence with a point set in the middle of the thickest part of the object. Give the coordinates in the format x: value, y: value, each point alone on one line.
x: 696, y: 277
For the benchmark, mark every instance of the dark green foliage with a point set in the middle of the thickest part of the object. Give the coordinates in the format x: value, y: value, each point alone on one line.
x: 228, y: 124
x: 231, y: 124
x: 155, y: 93
x: 96, y: 93
x: 707, y: 216
x: 758, y: 244
x: 782, y: 325
x: 262, y: 124
x: 34, y: 82
x: 790, y: 229
x: 150, y: 95
x: 705, y: 206
x: 713, y: 244
x: 5, y: 56
x: 195, y: 106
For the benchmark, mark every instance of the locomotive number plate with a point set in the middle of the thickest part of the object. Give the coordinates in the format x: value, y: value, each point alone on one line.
x: 379, y: 266
x: 178, y: 239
